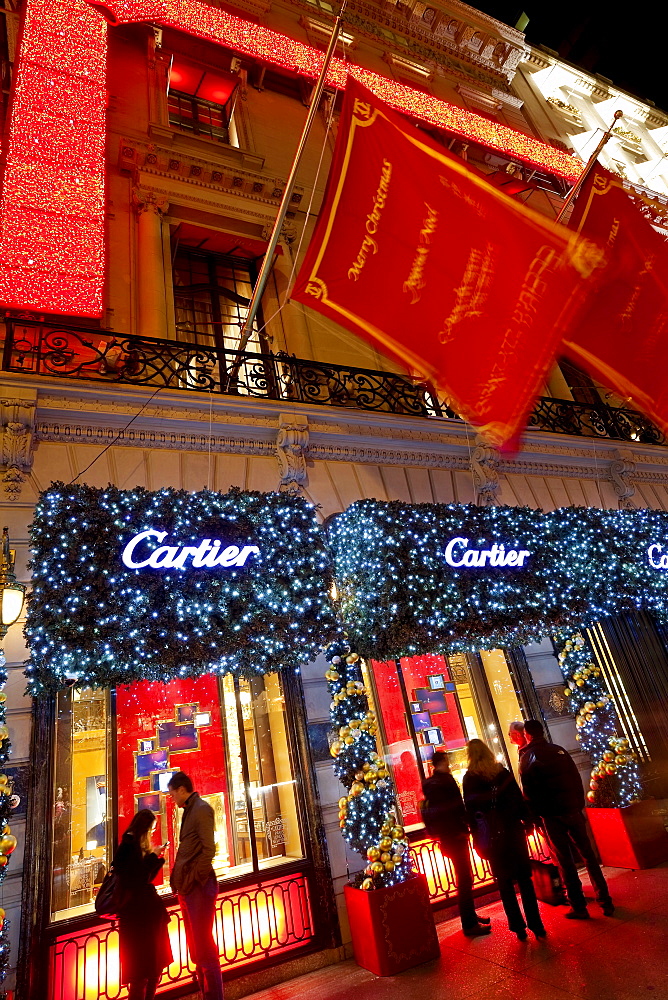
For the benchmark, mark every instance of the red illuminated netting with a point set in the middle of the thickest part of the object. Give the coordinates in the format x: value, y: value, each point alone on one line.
x: 52, y: 250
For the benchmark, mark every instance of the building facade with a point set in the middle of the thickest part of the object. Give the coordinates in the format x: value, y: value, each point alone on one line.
x: 162, y: 238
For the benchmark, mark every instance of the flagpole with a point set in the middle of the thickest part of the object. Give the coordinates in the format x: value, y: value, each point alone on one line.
x: 572, y: 194
x: 254, y: 303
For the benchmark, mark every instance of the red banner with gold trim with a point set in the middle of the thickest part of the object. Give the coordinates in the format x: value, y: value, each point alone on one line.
x: 421, y: 256
x: 621, y: 337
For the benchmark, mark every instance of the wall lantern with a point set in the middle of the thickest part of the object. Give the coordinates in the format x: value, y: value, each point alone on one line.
x: 13, y: 593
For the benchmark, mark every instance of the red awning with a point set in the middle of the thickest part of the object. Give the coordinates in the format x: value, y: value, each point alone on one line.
x: 233, y: 244
x: 189, y: 78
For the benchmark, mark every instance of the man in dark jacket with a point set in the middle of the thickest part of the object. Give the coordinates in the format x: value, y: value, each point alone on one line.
x: 444, y: 817
x: 195, y: 882
x: 554, y: 791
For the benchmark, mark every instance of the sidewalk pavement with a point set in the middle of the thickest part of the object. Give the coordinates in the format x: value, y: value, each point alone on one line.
x: 624, y: 957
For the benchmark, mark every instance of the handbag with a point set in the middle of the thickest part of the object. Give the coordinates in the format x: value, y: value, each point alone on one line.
x: 111, y: 897
x: 487, y: 830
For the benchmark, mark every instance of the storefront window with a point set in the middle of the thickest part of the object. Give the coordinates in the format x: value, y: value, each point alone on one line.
x: 230, y: 736
x: 433, y: 702
x: 81, y: 806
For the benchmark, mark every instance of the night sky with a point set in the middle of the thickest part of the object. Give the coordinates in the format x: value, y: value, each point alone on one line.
x: 625, y: 43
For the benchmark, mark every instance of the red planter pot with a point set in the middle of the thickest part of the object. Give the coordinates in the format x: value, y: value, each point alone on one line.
x: 392, y: 929
x: 631, y: 837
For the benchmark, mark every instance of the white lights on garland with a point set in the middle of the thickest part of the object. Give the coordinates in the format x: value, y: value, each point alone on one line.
x: 615, y: 778
x: 367, y: 814
x: 94, y: 620
x: 437, y: 578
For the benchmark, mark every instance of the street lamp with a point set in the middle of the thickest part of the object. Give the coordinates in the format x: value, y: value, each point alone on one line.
x: 13, y: 593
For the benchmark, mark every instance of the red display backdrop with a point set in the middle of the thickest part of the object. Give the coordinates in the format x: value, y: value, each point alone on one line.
x: 399, y: 746
x: 422, y: 257
x: 163, y: 716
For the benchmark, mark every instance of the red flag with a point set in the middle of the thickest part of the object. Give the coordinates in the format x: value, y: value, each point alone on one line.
x: 421, y: 256
x: 621, y: 335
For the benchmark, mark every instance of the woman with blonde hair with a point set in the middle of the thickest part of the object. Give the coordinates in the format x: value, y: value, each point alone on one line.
x: 499, y: 823
x: 143, y: 919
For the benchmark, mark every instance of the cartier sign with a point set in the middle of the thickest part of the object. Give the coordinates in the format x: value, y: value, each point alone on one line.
x: 210, y: 553
x: 458, y: 553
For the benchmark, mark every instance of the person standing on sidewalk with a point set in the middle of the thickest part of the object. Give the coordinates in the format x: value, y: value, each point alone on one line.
x: 553, y: 788
x: 498, y: 815
x: 444, y: 817
x: 194, y: 881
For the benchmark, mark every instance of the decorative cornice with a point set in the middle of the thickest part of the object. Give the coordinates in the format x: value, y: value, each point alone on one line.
x: 132, y: 438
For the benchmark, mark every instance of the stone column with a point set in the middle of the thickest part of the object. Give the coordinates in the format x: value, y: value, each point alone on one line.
x: 151, y: 272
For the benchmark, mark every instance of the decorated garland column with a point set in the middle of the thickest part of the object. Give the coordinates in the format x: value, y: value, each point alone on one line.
x: 615, y: 778
x: 7, y: 840
x: 367, y: 814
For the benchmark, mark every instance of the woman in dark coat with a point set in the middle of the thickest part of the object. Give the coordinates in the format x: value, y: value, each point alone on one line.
x: 143, y: 918
x: 499, y: 821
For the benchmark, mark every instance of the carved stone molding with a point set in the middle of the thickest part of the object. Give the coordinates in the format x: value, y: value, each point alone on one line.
x: 146, y: 200
x: 484, y: 465
x: 132, y: 438
x: 17, y: 425
x: 292, y: 446
x: 621, y: 468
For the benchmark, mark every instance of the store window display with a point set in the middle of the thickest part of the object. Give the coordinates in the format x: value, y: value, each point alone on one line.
x: 230, y: 735
x: 433, y: 702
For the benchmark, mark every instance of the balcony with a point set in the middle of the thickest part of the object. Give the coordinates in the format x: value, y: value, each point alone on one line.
x: 33, y: 348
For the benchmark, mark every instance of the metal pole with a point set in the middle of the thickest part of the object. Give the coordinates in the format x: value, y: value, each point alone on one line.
x: 572, y: 194
x: 267, y: 263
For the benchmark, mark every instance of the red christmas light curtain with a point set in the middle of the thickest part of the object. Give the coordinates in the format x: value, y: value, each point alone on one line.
x: 621, y: 337
x: 422, y: 257
x: 52, y: 250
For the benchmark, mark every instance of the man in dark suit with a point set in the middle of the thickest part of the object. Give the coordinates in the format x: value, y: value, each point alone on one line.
x: 444, y: 817
x: 553, y: 788
x: 195, y: 882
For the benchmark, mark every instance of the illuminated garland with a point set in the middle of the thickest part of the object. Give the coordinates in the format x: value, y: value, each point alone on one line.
x: 367, y: 815
x: 52, y: 250
x: 615, y: 778
x: 93, y: 621
x: 7, y: 839
x: 400, y: 597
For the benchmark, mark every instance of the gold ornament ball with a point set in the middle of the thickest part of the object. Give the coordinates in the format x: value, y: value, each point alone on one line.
x: 580, y: 683
x: 366, y: 766
x: 342, y: 814
x: 4, y: 860
x: 349, y: 741
x: 344, y: 731
x: 398, y: 833
x: 343, y: 802
x: 385, y: 829
x: 335, y: 749
x: 591, y: 796
x: 353, y: 658
x: 567, y: 692
x: 389, y: 866
x: 367, y: 884
x: 385, y: 844
x: 377, y: 867
x: 397, y: 858
x: 342, y: 824
x: 3, y: 697
x: 608, y: 756
x: 356, y: 789
x: 620, y: 760
x: 373, y: 854
x: 384, y: 857
x: 359, y: 775
x: 333, y: 675
x: 610, y: 768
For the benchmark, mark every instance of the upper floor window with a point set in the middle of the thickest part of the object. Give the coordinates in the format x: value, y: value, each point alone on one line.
x: 200, y: 101
x: 211, y: 296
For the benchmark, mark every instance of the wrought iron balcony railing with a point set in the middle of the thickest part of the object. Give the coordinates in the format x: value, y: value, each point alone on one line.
x: 68, y: 352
